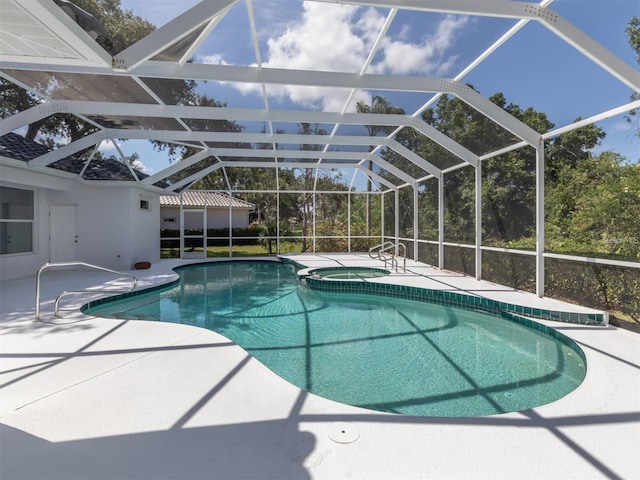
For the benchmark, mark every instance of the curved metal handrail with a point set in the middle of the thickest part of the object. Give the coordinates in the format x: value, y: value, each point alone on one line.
x: 381, y: 247
x: 388, y: 245
x: 47, y: 266
x: 404, y: 256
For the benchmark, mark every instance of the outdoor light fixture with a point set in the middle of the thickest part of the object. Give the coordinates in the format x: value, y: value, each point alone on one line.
x: 88, y: 22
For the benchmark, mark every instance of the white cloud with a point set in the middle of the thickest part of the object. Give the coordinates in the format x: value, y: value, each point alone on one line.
x: 324, y: 40
x: 426, y: 57
x: 339, y: 38
x: 214, y: 59
x: 107, y: 147
x: 624, y: 126
x: 138, y: 165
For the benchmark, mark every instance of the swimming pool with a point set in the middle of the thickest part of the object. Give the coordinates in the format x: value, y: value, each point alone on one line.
x: 378, y: 352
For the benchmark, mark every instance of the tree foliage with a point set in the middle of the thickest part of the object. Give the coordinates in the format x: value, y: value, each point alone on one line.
x: 593, y: 208
x: 633, y: 37
x: 380, y: 105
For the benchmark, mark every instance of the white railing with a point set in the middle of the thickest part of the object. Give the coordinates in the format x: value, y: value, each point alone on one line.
x: 47, y: 266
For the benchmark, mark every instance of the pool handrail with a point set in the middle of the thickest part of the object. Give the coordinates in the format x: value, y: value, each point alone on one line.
x: 386, y: 246
x: 47, y: 266
x: 379, y: 249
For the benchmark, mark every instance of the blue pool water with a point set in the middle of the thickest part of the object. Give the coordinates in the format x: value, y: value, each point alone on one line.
x: 381, y: 353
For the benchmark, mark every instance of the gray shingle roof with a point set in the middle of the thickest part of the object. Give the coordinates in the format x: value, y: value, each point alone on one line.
x: 17, y: 147
x: 194, y: 198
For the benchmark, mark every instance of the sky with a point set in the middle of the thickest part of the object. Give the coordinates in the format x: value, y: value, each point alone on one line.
x: 533, y: 69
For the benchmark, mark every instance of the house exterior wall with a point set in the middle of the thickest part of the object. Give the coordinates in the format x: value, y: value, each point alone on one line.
x: 27, y: 264
x: 113, y: 231
x: 216, y: 218
x: 145, y: 228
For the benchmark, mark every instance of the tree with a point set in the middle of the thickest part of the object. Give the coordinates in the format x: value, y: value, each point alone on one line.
x: 508, y: 180
x: 593, y: 207
x: 633, y: 37
x: 305, y: 182
x: 571, y: 149
x: 379, y: 104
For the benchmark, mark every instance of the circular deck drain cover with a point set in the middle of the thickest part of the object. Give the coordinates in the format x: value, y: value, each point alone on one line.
x: 342, y: 432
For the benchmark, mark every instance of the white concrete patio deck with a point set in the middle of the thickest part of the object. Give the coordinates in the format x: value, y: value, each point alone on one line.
x: 85, y: 397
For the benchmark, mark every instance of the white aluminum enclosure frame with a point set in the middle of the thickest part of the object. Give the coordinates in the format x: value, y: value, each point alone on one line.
x: 63, y: 47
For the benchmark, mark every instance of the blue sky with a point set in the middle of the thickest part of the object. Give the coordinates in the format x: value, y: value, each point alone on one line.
x: 533, y: 69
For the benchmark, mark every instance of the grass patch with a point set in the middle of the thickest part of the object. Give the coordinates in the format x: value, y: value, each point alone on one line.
x: 237, y: 251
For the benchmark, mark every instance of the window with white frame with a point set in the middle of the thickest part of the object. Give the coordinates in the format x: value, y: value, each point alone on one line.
x: 145, y: 204
x: 16, y: 220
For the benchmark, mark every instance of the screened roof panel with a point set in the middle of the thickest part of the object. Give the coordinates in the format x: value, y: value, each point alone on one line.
x: 214, y: 145
x: 33, y: 39
x: 302, y: 97
x: 191, y: 170
x: 170, y: 91
x: 335, y: 145
x: 294, y: 127
x: 310, y: 161
x: 430, y: 151
x: 133, y: 122
x: 437, y: 44
x: 613, y: 36
x: 558, y: 67
x: 206, y: 125
x: 218, y: 49
x: 214, y: 180
x: 79, y: 86
x: 276, y: 67
x: 176, y: 51
x: 229, y: 160
x: 238, y: 175
x: 343, y: 161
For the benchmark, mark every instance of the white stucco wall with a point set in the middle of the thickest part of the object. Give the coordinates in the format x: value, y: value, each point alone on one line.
x: 145, y: 228
x: 27, y: 264
x: 113, y: 232
x: 216, y: 218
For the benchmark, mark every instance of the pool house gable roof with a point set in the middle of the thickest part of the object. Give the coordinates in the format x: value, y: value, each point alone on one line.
x: 34, y: 53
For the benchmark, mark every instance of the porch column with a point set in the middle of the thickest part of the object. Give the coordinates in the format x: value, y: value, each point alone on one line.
x: 540, y: 218
x: 230, y: 226
x: 382, y: 218
x: 349, y: 221
x: 313, y: 229
x: 441, y: 222
x: 397, y: 216
x: 415, y: 220
x: 479, y: 220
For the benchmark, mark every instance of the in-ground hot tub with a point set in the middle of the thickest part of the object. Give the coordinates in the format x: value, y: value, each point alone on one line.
x: 347, y: 273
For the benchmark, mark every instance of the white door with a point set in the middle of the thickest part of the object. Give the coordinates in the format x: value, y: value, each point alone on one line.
x: 63, y: 233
